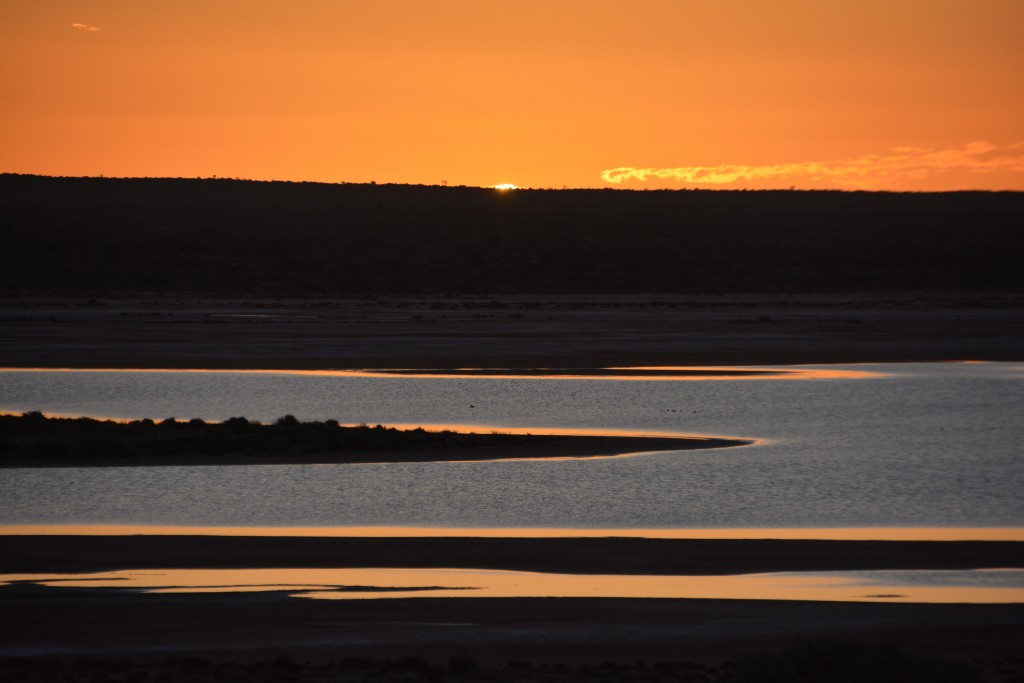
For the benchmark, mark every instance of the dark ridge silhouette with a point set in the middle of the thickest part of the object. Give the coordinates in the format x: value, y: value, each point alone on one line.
x: 215, y: 237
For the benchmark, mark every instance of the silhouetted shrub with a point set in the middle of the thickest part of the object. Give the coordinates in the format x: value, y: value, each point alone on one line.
x: 287, y: 421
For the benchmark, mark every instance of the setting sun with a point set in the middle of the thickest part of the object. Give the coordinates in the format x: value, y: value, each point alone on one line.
x: 506, y: 186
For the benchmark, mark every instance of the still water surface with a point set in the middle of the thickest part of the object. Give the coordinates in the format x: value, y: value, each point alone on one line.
x: 891, y: 445
x: 977, y: 586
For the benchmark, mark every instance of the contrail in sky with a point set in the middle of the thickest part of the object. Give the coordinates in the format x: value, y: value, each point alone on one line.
x: 863, y: 172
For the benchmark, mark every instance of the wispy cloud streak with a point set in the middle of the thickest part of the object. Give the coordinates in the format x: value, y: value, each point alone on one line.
x: 86, y: 27
x: 870, y: 171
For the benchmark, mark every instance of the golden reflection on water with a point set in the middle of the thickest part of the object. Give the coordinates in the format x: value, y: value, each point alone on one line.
x: 824, y: 533
x: 686, y: 440
x: 551, y: 431
x: 368, y: 584
x: 638, y: 373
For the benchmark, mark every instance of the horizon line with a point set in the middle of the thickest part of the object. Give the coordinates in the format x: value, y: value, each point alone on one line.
x: 521, y: 188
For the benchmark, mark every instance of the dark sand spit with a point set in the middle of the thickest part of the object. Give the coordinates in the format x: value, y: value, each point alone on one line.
x: 547, y: 447
x: 34, y: 440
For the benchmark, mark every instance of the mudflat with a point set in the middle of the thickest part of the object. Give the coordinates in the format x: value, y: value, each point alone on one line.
x: 565, y: 332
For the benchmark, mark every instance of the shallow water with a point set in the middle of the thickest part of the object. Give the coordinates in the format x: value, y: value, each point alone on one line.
x: 947, y: 586
x: 903, y: 445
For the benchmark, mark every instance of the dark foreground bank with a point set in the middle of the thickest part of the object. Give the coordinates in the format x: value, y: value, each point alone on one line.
x: 34, y: 440
x: 822, y: 659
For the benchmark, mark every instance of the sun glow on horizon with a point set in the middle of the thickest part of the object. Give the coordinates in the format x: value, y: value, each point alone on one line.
x: 505, y: 187
x: 865, y: 172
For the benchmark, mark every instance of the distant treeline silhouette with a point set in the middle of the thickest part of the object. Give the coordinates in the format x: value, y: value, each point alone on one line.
x: 34, y: 436
x: 235, y: 237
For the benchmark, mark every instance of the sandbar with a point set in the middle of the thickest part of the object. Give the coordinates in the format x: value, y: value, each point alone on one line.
x: 610, y: 555
x: 548, y: 447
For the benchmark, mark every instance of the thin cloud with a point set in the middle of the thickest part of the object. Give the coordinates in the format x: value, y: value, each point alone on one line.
x: 869, y: 171
x: 86, y: 27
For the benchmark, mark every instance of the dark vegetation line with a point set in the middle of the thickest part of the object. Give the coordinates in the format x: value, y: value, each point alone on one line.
x: 214, y: 237
x: 38, y: 437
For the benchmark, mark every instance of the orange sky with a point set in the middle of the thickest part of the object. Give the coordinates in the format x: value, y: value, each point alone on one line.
x: 877, y: 94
